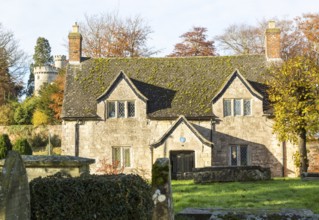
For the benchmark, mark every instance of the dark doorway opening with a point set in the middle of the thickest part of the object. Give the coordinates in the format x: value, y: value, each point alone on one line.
x: 182, y: 164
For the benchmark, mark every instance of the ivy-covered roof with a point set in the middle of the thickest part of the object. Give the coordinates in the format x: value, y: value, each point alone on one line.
x: 173, y: 86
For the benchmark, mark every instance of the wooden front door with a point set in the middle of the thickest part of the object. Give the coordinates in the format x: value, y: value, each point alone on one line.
x: 181, y: 163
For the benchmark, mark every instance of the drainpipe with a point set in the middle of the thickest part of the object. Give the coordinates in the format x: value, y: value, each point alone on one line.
x: 212, y: 122
x: 283, y: 158
x: 151, y: 149
x: 77, y: 137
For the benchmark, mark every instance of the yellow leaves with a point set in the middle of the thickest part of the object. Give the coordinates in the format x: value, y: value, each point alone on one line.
x: 39, y: 118
x: 294, y: 94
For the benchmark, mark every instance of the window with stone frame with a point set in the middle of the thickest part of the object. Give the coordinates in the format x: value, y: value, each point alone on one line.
x: 237, y: 107
x: 239, y: 155
x: 111, y: 110
x: 247, y: 107
x: 130, y: 109
x: 120, y: 109
x: 121, y: 156
x: 227, y: 107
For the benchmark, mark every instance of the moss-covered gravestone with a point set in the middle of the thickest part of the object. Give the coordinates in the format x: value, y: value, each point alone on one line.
x: 14, y: 189
x: 161, y: 184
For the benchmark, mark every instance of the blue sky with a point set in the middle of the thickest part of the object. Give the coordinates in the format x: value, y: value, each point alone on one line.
x: 30, y: 19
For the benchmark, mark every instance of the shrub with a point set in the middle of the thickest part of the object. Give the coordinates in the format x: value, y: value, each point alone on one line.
x: 5, y: 145
x: 39, y: 118
x: 91, y: 197
x: 110, y: 168
x: 39, y: 140
x: 7, y: 114
x: 23, y: 112
x: 23, y: 147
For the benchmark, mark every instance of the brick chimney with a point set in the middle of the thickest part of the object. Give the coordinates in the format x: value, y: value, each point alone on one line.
x: 75, y: 45
x: 272, y: 42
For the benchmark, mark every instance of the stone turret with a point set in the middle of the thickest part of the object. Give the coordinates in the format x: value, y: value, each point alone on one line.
x: 75, y: 45
x: 272, y: 42
x: 59, y: 61
x: 48, y: 73
x: 42, y: 75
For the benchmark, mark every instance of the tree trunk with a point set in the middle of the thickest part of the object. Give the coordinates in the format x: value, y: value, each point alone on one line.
x: 303, y: 152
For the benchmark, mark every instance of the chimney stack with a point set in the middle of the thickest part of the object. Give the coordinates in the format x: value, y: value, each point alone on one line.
x: 272, y: 42
x: 75, y: 45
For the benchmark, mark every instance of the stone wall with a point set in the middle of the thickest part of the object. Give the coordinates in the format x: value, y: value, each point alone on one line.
x: 230, y: 174
x: 313, y: 156
x: 43, y: 166
x: 15, y: 133
x: 254, y: 131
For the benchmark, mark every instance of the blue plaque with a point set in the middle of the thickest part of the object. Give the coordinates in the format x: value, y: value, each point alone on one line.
x: 182, y: 139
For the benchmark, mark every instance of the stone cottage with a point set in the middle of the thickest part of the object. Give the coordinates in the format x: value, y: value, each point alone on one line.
x: 197, y: 111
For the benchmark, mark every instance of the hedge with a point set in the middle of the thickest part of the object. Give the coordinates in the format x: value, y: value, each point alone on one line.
x: 91, y: 197
x: 23, y: 147
x: 5, y: 145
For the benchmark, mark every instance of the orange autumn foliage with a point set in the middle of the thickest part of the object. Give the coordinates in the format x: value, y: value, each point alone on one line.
x: 57, y: 97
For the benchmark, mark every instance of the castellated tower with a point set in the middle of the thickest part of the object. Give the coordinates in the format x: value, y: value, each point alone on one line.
x: 47, y: 73
x: 59, y: 61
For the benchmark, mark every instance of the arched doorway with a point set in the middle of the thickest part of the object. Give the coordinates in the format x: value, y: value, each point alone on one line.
x: 182, y: 163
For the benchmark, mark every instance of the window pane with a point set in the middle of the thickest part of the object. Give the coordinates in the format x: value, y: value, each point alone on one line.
x: 243, y: 156
x: 121, y: 109
x: 116, y: 156
x: 111, y: 109
x: 227, y: 107
x: 247, y: 107
x: 237, y: 107
x: 233, y: 156
x: 127, y: 157
x: 131, y: 109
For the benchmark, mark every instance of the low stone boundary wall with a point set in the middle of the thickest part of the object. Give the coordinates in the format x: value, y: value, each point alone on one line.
x: 43, y: 166
x: 230, y: 174
x: 245, y: 213
x: 310, y: 176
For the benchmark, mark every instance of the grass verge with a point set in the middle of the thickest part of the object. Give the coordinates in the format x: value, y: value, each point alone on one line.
x: 277, y: 193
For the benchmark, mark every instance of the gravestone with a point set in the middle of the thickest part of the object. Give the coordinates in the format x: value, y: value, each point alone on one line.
x: 161, y: 184
x: 14, y: 189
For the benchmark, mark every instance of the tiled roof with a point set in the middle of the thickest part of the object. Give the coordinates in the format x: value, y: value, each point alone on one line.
x: 173, y: 86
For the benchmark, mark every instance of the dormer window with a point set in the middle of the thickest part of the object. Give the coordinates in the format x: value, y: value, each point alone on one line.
x: 120, y: 109
x: 237, y: 107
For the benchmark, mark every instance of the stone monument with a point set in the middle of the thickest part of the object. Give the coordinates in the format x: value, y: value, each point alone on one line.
x: 161, y: 184
x: 14, y: 189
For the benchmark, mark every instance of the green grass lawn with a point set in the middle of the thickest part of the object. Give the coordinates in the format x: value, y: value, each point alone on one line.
x: 278, y: 193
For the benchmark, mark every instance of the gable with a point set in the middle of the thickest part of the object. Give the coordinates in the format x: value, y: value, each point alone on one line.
x: 181, y: 122
x: 121, y: 88
x: 173, y: 86
x: 236, y: 86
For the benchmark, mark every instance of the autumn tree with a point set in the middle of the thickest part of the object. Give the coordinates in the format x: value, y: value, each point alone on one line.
x: 194, y: 43
x: 294, y: 94
x: 108, y: 35
x: 309, y: 26
x: 57, y: 94
x: 12, y: 66
x: 50, y: 99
